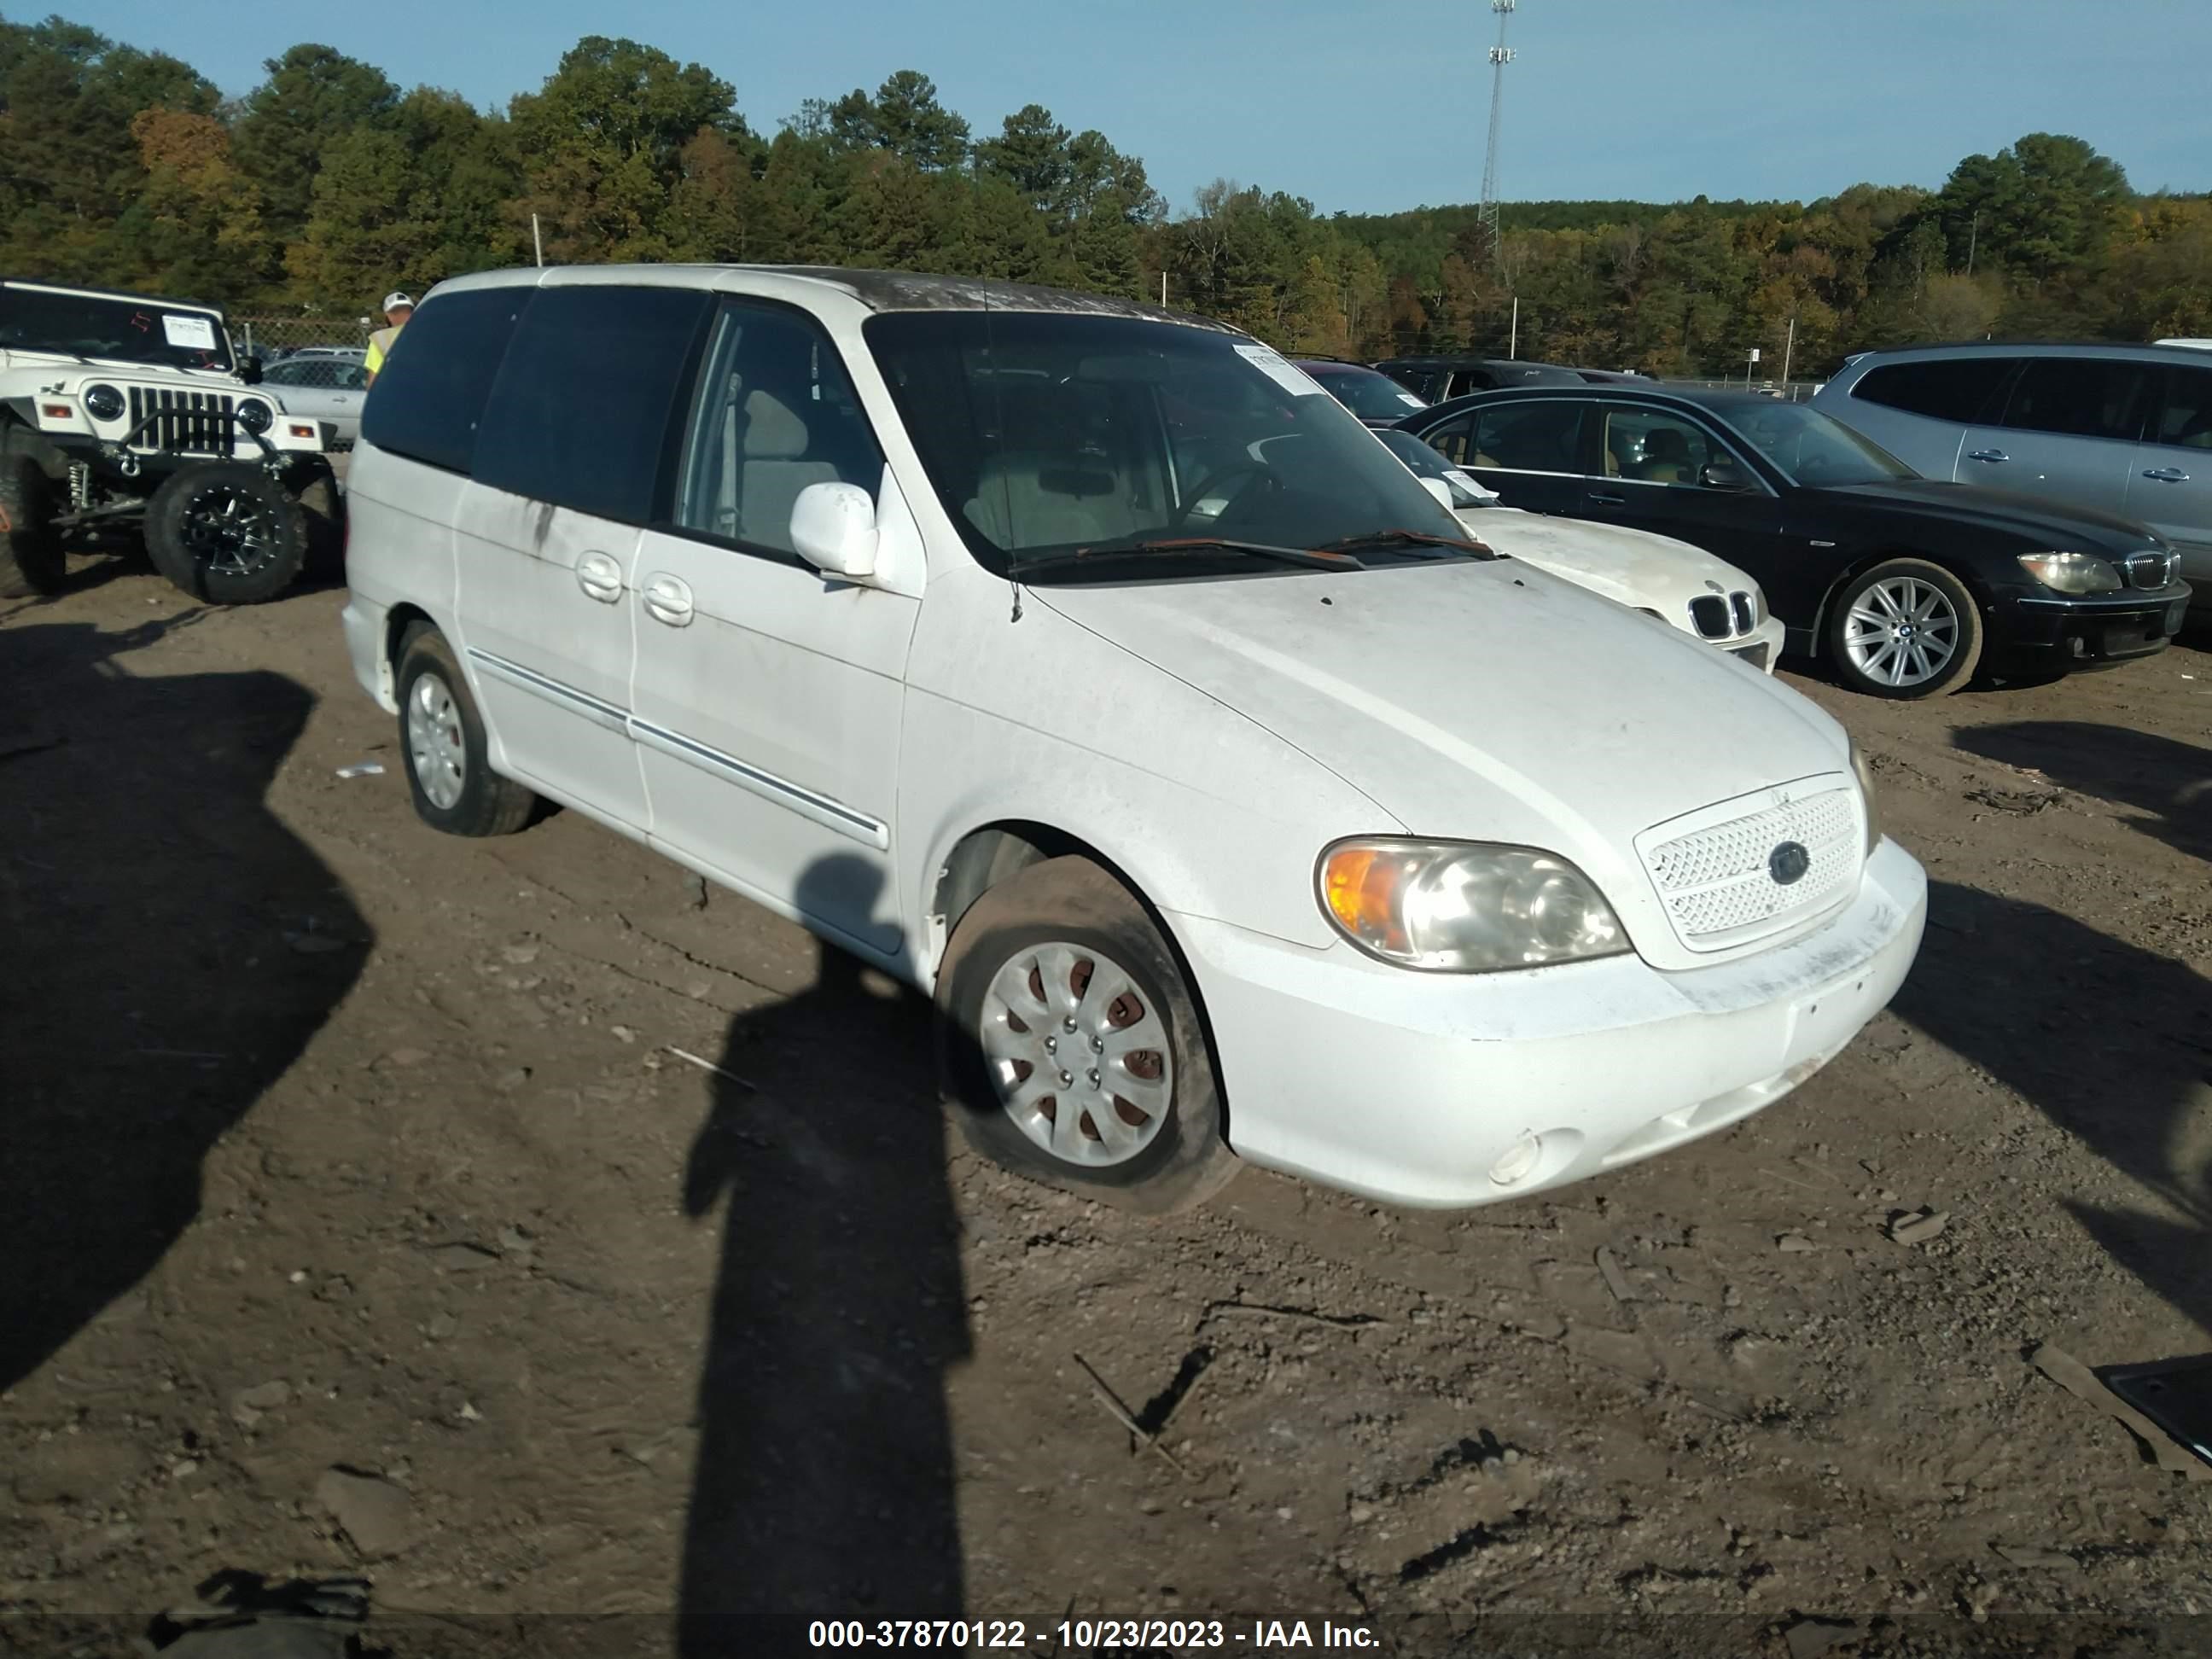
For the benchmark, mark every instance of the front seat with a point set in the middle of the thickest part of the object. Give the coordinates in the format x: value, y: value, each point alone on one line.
x: 1666, y: 457
x: 775, y: 445
x: 1029, y: 498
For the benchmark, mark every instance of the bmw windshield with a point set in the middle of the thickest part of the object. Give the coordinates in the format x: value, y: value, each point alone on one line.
x: 111, y: 328
x: 1074, y: 446
x: 1815, y: 449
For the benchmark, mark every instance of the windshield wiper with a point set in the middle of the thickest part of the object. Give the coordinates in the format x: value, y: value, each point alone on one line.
x: 1369, y: 540
x: 1316, y: 558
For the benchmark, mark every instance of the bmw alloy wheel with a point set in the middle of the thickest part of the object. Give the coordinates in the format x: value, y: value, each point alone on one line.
x: 1901, y: 631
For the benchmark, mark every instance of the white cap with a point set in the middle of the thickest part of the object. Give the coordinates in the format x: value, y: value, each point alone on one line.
x: 395, y: 300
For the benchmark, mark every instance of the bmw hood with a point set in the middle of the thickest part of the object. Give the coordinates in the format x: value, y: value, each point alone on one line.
x: 2048, y: 524
x: 1632, y: 566
x: 1482, y: 702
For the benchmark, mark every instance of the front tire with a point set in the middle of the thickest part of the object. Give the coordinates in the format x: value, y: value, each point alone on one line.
x: 442, y: 743
x: 227, y: 532
x: 1904, y: 630
x: 1072, y: 1050
x: 32, y: 561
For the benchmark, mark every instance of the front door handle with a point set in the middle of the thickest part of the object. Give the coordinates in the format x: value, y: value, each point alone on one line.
x: 1988, y: 455
x: 668, y: 600
x: 2168, y: 475
x: 599, y: 575
x: 1603, y: 500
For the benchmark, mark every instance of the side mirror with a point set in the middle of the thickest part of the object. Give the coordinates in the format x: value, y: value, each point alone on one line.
x: 1441, y: 490
x: 1723, y: 474
x: 833, y: 528
x: 249, y: 370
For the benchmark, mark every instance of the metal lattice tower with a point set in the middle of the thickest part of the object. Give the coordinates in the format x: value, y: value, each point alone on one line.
x: 1500, y: 56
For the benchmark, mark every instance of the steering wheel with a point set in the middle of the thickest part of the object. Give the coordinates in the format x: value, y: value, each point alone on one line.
x: 1205, y: 491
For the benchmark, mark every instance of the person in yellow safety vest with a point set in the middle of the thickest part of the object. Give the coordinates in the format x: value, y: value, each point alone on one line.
x: 397, y: 309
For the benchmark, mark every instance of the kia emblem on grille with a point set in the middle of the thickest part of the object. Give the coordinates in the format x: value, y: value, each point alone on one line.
x: 1788, y: 863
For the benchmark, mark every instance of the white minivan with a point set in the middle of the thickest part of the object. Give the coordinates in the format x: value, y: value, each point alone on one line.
x: 1086, y: 666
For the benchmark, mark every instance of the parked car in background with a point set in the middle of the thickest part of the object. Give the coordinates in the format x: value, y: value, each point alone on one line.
x: 1088, y: 667
x: 1378, y: 400
x: 1614, y: 377
x: 2119, y: 429
x: 1439, y: 378
x: 327, y: 388
x: 1682, y: 586
x: 1907, y: 584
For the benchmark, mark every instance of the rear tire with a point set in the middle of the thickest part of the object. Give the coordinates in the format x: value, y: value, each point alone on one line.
x: 442, y: 746
x: 1034, y: 945
x: 1904, y: 630
x: 227, y: 532
x: 32, y: 561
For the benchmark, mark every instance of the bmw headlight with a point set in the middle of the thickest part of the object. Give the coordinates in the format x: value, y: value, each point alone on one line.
x: 2071, y: 573
x: 256, y: 417
x: 1864, y: 774
x: 103, y: 402
x: 1460, y: 907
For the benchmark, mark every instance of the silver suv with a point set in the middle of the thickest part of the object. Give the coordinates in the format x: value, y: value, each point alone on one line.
x: 2124, y: 428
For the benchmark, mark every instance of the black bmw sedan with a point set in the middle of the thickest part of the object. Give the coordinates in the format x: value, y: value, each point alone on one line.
x: 1908, y: 584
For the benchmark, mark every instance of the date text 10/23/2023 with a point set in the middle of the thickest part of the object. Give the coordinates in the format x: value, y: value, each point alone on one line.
x: 1090, y: 1636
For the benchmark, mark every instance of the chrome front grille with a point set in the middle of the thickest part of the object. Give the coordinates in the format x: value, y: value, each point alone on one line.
x: 2152, y: 568
x: 169, y: 421
x: 1740, y: 602
x: 1716, y: 870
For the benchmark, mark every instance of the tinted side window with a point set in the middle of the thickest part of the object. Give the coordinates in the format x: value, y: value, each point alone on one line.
x: 1416, y: 380
x: 1529, y: 437
x: 2185, y: 418
x: 776, y: 413
x: 2082, y: 397
x: 582, y: 412
x: 427, y: 400
x: 1450, y: 440
x: 1946, y: 389
x: 1464, y: 380
x: 1651, y: 447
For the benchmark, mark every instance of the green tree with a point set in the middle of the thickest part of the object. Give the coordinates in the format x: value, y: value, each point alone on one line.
x: 2047, y: 206
x: 313, y: 96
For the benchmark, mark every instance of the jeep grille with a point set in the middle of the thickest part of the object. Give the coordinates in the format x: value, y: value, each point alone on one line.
x: 168, y: 421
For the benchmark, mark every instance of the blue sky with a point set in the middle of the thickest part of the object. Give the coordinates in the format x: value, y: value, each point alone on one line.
x: 1366, y: 105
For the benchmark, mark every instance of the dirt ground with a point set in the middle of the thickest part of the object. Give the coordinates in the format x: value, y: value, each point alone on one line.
x: 356, y: 1217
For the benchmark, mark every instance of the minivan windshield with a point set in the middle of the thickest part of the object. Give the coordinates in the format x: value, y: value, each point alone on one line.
x: 1816, y: 449
x: 1088, y: 445
x: 112, y: 327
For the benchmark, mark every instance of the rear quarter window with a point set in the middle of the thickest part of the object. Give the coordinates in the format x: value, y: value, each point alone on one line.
x: 1961, y: 389
x: 430, y: 396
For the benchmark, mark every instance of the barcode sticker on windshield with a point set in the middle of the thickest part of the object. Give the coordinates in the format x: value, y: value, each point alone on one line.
x: 1409, y: 399
x: 193, y: 333
x: 1272, y: 363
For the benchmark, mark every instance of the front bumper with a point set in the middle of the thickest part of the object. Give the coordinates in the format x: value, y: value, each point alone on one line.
x: 2053, y: 634
x: 1761, y: 648
x: 1409, y: 1087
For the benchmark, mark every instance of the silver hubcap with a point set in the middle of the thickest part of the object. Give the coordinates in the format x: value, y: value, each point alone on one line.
x: 1901, y: 632
x: 435, y: 741
x: 1077, y: 1054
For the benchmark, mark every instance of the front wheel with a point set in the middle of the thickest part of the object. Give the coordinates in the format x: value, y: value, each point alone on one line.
x: 1070, y: 1047
x: 227, y: 532
x: 1904, y: 630
x: 32, y: 561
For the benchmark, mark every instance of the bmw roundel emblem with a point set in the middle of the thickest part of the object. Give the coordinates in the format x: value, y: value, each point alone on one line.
x: 1788, y: 862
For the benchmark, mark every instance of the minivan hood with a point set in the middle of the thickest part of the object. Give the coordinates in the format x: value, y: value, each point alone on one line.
x: 1632, y: 566
x: 2052, y: 526
x: 1481, y: 702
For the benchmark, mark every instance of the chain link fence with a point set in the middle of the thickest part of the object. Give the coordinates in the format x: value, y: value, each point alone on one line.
x: 275, y: 336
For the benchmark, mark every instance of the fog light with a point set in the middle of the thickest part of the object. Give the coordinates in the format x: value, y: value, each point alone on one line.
x: 1519, y: 1161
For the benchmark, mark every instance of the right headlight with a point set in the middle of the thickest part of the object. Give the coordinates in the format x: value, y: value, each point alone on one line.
x: 1864, y: 774
x: 2071, y: 573
x: 103, y: 402
x: 1466, y: 907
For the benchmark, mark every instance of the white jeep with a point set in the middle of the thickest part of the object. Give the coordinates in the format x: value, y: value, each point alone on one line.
x: 120, y: 411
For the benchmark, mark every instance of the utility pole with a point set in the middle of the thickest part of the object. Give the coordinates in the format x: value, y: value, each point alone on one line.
x: 1513, y: 345
x: 1789, y: 347
x: 537, y: 241
x: 1974, y: 234
x: 1500, y: 56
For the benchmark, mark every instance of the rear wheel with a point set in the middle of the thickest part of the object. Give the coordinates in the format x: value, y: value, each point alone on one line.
x: 227, y: 532
x: 441, y: 737
x: 1070, y: 1047
x: 31, y: 557
x: 1905, y: 629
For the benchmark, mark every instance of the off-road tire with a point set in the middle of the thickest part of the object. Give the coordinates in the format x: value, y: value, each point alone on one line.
x: 169, y: 534
x: 32, y: 561
x: 1966, y: 654
x: 320, y: 499
x: 1073, y: 901
x: 490, y: 805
